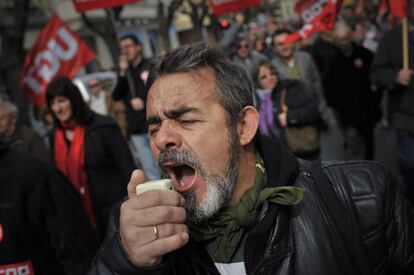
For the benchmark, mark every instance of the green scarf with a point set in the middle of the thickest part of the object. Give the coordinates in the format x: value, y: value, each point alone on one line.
x: 229, y: 224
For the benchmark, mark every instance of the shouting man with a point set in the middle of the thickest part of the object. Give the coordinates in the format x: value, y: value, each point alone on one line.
x: 242, y: 204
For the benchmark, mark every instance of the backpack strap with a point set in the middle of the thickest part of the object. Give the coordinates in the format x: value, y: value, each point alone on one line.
x: 350, y: 235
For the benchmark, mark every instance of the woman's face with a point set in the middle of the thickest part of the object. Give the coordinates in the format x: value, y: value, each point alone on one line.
x: 267, y: 78
x: 62, y: 108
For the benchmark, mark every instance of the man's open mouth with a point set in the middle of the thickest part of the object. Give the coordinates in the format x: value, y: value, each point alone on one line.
x: 182, y: 175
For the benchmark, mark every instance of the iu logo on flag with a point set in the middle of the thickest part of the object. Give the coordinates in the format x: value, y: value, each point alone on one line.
x: 58, y: 50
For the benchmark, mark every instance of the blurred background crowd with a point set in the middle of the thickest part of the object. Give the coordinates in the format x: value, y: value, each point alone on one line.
x: 337, y: 93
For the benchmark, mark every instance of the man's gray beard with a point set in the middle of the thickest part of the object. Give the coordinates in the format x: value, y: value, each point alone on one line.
x: 220, y: 185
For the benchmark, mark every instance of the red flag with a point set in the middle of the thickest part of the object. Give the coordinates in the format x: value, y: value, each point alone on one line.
x: 57, y: 51
x: 85, y: 5
x: 318, y: 15
x: 221, y: 7
x: 397, y: 8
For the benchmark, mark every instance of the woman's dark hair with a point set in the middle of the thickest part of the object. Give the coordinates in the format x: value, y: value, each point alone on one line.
x: 63, y: 86
x: 255, y: 74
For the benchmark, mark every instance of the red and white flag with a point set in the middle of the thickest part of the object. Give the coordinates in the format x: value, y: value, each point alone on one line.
x: 220, y: 7
x: 317, y: 15
x: 58, y: 50
x: 85, y: 5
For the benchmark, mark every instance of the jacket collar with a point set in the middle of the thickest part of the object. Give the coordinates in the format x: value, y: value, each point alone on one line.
x: 282, y: 167
x: 272, y: 232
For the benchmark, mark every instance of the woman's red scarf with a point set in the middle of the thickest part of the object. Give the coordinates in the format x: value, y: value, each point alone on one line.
x: 70, y: 160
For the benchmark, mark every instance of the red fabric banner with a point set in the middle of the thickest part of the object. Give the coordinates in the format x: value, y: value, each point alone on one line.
x: 85, y: 5
x: 317, y: 15
x: 397, y: 8
x: 220, y: 7
x: 57, y: 51
x: 18, y: 268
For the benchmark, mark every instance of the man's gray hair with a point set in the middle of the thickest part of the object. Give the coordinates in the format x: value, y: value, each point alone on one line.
x: 9, y: 108
x: 234, y: 87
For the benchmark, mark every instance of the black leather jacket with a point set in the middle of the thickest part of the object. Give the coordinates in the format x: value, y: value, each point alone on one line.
x: 304, y: 239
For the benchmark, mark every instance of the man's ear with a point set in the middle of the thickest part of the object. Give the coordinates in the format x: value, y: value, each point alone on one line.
x: 249, y: 123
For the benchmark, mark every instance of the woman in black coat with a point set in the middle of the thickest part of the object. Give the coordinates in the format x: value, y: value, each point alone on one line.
x: 287, y: 106
x: 90, y: 150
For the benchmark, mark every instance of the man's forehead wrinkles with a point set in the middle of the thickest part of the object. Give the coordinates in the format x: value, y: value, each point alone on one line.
x: 172, y: 113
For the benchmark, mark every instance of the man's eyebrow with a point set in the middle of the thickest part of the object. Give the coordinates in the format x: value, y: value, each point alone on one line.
x: 155, y: 119
x: 172, y: 114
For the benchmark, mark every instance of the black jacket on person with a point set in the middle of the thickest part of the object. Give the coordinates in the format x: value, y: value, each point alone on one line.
x: 303, y: 239
x: 302, y: 104
x: 41, y: 219
x: 108, y: 164
x: 352, y: 95
x: 136, y: 120
x: 27, y: 140
x: 387, y: 62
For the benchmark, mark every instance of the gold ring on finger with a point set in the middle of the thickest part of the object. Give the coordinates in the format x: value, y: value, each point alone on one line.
x: 156, y: 236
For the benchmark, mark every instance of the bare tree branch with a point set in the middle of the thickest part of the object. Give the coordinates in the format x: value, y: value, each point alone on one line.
x: 90, y: 25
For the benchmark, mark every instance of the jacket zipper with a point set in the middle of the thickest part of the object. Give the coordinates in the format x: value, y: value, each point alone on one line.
x: 270, y: 259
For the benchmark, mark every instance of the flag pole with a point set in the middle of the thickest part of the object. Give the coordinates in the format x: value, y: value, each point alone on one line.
x: 406, y: 65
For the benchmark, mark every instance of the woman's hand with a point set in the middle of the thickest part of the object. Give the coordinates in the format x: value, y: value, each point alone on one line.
x: 283, y: 119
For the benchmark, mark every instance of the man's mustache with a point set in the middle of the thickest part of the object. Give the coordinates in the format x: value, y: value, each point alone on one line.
x: 179, y: 156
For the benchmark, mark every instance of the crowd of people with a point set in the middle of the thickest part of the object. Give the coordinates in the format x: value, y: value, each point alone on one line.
x: 236, y: 127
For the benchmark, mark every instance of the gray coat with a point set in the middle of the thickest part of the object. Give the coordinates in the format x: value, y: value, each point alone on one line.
x: 250, y: 63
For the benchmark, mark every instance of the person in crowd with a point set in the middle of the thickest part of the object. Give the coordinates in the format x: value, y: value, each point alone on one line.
x: 388, y: 72
x: 18, y: 136
x: 299, y: 65
x: 43, y: 227
x: 355, y: 103
x: 258, y: 210
x: 364, y: 33
x: 90, y: 149
x: 245, y: 57
x: 283, y: 104
x: 100, y: 100
x: 260, y: 46
x: 323, y: 51
x: 237, y: 44
x: 131, y: 88
x: 234, y: 32
x: 102, y: 103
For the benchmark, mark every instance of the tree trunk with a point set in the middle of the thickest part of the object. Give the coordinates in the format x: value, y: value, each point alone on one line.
x: 11, y: 58
x: 107, y: 31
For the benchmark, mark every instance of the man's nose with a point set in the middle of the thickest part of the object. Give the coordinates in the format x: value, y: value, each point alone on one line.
x: 167, y: 137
